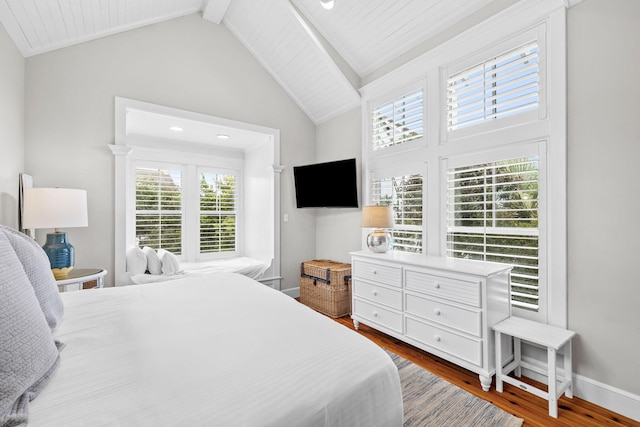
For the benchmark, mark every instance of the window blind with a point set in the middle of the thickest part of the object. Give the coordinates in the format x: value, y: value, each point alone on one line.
x: 398, y: 121
x: 218, y: 223
x: 499, y: 87
x: 404, y: 194
x: 492, y: 215
x: 159, y: 209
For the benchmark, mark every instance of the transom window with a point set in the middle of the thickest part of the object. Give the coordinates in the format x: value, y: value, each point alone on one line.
x: 499, y: 87
x: 398, y: 121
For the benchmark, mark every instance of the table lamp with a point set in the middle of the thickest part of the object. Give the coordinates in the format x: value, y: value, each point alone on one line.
x: 378, y: 217
x: 56, y: 208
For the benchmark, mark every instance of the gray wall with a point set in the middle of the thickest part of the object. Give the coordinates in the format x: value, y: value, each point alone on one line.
x: 12, y: 66
x: 604, y: 190
x: 186, y: 63
x: 338, y: 230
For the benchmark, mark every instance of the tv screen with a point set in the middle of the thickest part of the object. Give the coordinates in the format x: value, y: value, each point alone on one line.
x: 326, y: 185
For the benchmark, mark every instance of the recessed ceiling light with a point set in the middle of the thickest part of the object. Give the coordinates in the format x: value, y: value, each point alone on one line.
x: 327, y: 4
x: 176, y: 128
x: 223, y: 136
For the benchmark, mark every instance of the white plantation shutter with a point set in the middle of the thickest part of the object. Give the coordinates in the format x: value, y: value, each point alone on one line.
x: 218, y: 216
x: 499, y: 87
x: 398, y: 121
x: 159, y: 209
x: 404, y: 194
x: 492, y: 215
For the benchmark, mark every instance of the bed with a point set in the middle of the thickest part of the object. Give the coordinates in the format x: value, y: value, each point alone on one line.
x: 219, y: 349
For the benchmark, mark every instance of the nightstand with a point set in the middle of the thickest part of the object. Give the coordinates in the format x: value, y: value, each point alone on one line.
x: 78, y: 276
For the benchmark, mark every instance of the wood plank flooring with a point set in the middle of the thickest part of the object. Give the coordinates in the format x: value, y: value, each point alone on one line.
x: 534, y: 410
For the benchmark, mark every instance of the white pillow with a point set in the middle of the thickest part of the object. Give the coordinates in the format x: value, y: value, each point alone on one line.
x: 136, y: 260
x: 154, y: 265
x: 170, y: 263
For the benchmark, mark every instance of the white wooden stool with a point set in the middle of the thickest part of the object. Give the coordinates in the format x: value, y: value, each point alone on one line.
x: 553, y: 339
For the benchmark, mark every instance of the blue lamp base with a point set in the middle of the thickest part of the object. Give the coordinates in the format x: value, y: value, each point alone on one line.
x: 61, y: 254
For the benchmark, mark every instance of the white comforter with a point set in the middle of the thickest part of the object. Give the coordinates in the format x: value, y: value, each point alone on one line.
x: 219, y: 350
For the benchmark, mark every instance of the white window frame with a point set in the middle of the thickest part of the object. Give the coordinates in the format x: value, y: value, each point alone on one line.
x: 190, y: 199
x: 544, y: 127
x: 237, y: 212
x: 511, y: 151
x: 259, y: 162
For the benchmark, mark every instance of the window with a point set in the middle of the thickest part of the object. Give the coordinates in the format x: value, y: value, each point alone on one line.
x: 159, y: 211
x: 492, y: 215
x: 502, y: 86
x: 404, y: 194
x: 492, y: 153
x: 162, y: 218
x: 398, y: 121
x: 217, y: 212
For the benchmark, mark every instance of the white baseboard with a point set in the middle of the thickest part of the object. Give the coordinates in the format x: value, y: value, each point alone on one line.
x: 292, y: 292
x: 611, y: 398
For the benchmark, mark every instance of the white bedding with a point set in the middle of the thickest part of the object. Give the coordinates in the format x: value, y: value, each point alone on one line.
x: 217, y: 350
x: 249, y: 267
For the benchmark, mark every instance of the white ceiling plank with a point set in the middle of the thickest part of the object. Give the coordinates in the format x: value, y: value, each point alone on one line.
x: 18, y: 8
x: 121, y: 7
x: 215, y: 10
x: 79, y: 18
x: 31, y: 8
x: 52, y: 20
x: 11, y: 25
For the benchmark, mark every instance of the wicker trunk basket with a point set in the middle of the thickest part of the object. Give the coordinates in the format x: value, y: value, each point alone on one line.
x: 325, y: 286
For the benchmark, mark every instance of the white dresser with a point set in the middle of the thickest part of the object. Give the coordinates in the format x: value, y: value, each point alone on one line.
x: 441, y: 305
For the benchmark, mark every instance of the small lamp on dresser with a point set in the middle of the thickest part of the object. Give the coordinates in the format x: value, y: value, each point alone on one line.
x: 379, y: 218
x: 56, y: 208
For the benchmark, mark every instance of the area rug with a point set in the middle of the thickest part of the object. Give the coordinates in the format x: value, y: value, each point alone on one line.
x: 431, y: 401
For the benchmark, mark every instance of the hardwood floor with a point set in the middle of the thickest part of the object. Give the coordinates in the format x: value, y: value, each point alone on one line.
x: 534, y: 410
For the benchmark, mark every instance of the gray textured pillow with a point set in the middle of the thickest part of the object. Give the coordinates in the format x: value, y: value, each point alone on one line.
x: 38, y: 269
x: 28, y: 353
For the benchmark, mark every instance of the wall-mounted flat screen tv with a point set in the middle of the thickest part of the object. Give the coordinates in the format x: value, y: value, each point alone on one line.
x: 326, y: 185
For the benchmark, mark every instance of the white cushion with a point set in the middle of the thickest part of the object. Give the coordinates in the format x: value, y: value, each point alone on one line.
x: 136, y: 260
x: 170, y: 263
x: 154, y: 265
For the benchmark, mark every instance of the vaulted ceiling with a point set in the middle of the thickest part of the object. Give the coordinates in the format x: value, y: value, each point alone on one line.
x: 320, y: 57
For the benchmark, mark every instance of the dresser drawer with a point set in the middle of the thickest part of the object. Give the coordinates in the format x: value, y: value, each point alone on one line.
x: 465, y: 348
x: 464, y: 319
x: 463, y: 291
x: 377, y: 314
x: 380, y: 273
x: 377, y: 294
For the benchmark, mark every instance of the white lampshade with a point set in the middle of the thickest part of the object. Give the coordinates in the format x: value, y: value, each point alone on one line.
x: 377, y: 217
x: 54, y: 208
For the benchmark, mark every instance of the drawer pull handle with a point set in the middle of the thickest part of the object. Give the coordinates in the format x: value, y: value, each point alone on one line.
x: 375, y: 271
x: 375, y: 314
x: 437, y: 338
x: 437, y: 311
x: 375, y: 293
x: 437, y: 285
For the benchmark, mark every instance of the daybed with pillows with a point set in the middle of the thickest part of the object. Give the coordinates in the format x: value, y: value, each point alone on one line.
x: 145, y: 265
x: 214, y: 350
